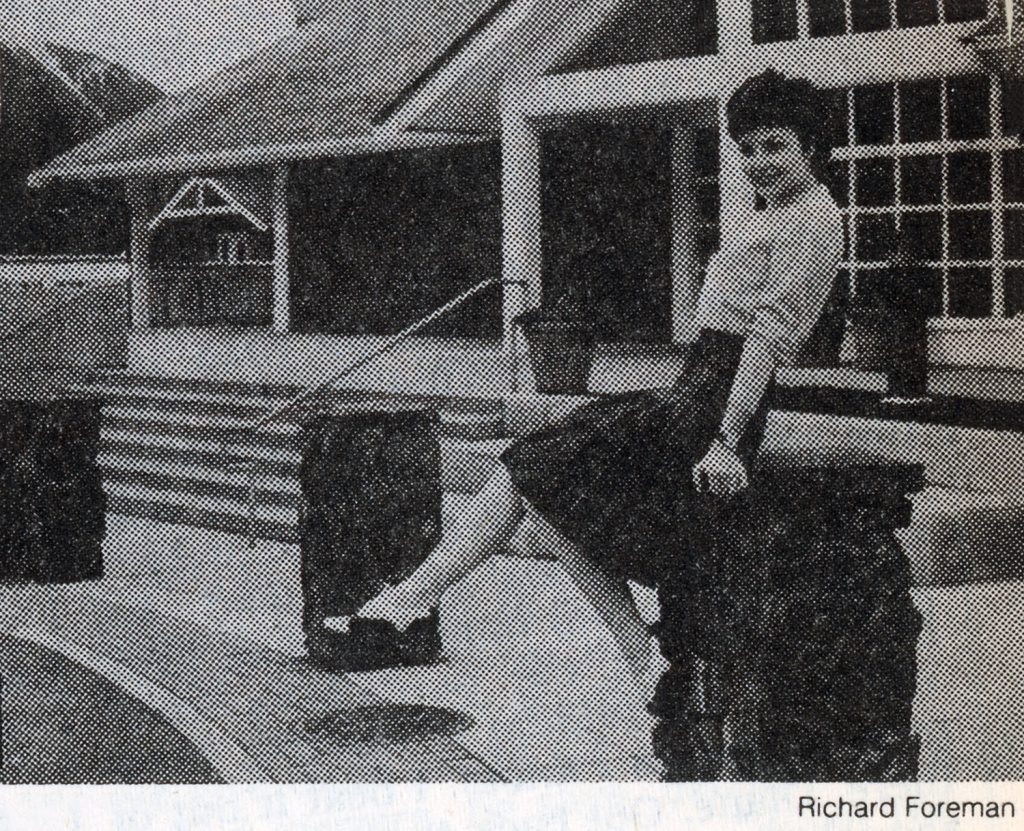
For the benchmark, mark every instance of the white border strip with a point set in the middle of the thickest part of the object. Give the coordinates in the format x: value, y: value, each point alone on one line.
x: 234, y: 765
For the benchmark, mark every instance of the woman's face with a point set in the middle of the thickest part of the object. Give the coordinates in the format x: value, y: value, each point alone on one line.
x: 775, y: 162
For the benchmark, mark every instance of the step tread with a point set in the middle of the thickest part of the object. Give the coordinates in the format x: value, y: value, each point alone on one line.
x: 944, y: 501
x: 168, y: 387
x: 204, y: 473
x: 177, y: 396
x: 480, y: 447
x: 189, y: 419
x: 188, y: 444
x: 279, y: 514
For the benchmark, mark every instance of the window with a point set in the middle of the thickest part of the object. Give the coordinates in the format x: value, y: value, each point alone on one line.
x: 781, y: 20
x: 925, y: 170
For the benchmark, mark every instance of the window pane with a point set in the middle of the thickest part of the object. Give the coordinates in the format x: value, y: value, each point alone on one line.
x: 921, y: 180
x: 922, y: 235
x: 707, y: 243
x: 970, y: 292
x: 836, y: 129
x: 970, y: 235
x: 706, y: 152
x: 839, y: 182
x: 925, y: 290
x: 876, y: 181
x: 1013, y: 105
x: 826, y: 17
x: 968, y: 107
x: 874, y: 286
x: 774, y: 20
x: 958, y: 11
x: 1013, y: 175
x: 873, y: 114
x: 917, y: 12
x: 1013, y: 291
x: 908, y: 288
x: 876, y: 237
x: 921, y: 110
x: 970, y: 178
x: 1013, y: 235
x: 870, y: 15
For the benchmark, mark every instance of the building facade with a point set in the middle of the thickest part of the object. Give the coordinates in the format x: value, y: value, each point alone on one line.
x: 377, y: 164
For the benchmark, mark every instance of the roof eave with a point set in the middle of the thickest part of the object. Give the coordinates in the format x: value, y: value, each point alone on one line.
x: 254, y: 156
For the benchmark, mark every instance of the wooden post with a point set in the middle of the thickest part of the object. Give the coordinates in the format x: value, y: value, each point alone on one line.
x: 282, y: 255
x: 521, y: 224
x: 140, y: 238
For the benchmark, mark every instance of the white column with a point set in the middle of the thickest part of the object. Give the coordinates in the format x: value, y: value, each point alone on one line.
x: 140, y: 238
x: 686, y: 264
x: 521, y: 226
x: 735, y: 26
x: 282, y: 256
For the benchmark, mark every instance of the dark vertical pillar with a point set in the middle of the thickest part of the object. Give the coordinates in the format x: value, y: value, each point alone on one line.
x: 52, y: 505
x: 791, y: 632
x: 371, y: 511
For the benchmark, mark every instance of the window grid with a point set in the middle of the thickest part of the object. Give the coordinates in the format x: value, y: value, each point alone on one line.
x: 944, y: 137
x: 998, y: 205
x: 782, y: 20
x: 988, y: 214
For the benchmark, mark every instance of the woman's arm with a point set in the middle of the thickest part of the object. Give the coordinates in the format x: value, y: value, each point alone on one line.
x: 756, y: 368
x: 721, y: 470
x: 802, y: 272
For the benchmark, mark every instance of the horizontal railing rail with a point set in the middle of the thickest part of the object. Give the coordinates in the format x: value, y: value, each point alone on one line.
x: 388, y: 345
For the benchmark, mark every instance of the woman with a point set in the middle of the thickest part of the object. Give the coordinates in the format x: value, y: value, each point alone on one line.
x: 608, y: 484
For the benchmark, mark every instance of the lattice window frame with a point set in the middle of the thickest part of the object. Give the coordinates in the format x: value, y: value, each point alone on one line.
x: 993, y: 146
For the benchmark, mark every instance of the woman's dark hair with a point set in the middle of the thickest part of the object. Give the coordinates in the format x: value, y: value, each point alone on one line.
x: 773, y: 100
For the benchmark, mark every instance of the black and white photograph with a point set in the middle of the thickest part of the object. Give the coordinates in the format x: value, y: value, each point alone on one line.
x: 507, y: 392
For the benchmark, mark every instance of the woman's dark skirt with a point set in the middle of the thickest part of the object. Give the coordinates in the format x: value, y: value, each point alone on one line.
x: 615, y: 475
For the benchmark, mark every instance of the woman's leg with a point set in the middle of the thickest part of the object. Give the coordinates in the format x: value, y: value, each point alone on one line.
x: 609, y: 595
x: 479, y: 532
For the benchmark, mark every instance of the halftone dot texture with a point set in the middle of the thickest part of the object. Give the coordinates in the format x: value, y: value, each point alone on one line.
x: 412, y: 176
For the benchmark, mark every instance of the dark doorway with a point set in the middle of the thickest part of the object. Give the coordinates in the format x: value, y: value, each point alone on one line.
x: 379, y: 242
x: 607, y: 210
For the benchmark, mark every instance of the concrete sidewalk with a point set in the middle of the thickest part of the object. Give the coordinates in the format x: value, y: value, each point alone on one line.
x: 526, y: 657
x: 527, y: 660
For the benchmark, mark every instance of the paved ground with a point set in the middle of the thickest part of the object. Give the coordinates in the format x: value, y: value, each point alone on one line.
x: 524, y: 654
x: 57, y: 720
x: 259, y: 709
x: 217, y: 625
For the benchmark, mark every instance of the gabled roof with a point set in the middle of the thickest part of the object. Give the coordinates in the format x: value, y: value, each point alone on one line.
x: 330, y: 83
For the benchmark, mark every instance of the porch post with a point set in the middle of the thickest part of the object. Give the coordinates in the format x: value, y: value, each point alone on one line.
x: 139, y: 242
x: 521, y: 224
x: 736, y: 37
x: 686, y: 218
x: 282, y: 256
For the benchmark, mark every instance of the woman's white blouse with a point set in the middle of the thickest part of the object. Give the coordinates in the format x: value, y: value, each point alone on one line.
x: 773, y: 276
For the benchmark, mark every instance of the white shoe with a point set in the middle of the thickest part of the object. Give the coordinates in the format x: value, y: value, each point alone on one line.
x: 391, y: 606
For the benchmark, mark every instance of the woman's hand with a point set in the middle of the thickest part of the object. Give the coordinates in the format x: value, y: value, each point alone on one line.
x: 721, y: 471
